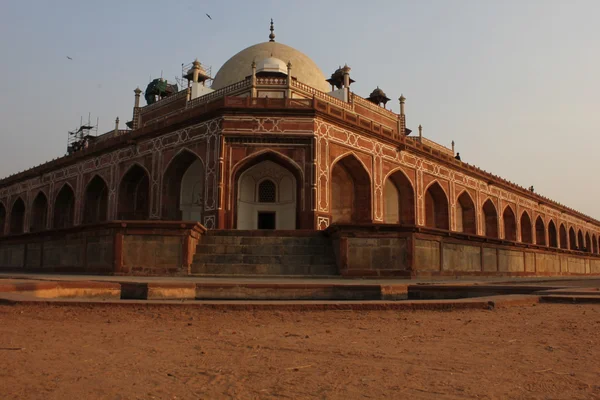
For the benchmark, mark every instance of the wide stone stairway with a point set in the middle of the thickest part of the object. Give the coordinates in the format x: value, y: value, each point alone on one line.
x: 236, y: 252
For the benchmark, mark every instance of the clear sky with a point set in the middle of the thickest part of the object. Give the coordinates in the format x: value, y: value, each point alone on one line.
x: 515, y: 83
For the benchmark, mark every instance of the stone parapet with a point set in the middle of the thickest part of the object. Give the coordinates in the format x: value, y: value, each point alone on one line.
x: 116, y: 247
x: 412, y: 251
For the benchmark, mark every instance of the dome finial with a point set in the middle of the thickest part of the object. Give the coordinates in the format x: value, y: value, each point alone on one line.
x: 272, y: 35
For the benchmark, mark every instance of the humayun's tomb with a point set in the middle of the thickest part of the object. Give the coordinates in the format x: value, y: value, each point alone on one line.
x: 272, y: 168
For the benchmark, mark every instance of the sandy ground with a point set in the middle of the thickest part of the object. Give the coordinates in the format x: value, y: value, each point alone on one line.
x: 166, y: 352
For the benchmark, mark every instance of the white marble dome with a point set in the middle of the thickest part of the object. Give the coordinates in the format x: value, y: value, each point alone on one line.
x: 238, y: 67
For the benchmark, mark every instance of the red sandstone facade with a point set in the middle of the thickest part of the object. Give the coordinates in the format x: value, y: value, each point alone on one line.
x: 343, y: 156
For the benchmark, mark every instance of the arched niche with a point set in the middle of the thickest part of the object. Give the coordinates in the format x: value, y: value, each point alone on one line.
x: 39, y: 213
x: 564, y: 238
x: 95, y: 204
x: 540, y: 232
x: 64, y: 208
x: 490, y: 219
x: 436, y: 207
x: 526, y: 228
x: 17, y: 217
x: 465, y: 214
x: 572, y: 239
x: 552, y: 234
x: 399, y: 200
x: 183, y: 188
x: 588, y: 243
x: 134, y: 194
x: 2, y: 219
x: 510, y: 224
x: 350, y: 191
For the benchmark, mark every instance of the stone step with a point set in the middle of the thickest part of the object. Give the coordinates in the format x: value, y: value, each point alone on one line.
x: 264, y: 249
x: 265, y: 240
x: 265, y: 233
x: 262, y: 269
x: 296, y: 259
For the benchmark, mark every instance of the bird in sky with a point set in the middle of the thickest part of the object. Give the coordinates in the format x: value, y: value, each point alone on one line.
x: 209, y: 17
x: 69, y: 58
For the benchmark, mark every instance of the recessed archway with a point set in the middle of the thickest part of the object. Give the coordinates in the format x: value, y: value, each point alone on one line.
x: 588, y: 243
x: 572, y: 239
x: 2, y: 219
x: 436, y: 207
x: 266, y: 197
x: 39, y: 213
x: 350, y: 191
x: 510, y: 224
x: 490, y: 219
x: 465, y: 214
x: 580, y: 241
x: 594, y: 244
x: 564, y: 239
x: 526, y: 228
x: 552, y: 236
x: 17, y: 216
x: 64, y: 208
x: 399, y: 200
x: 183, y: 188
x: 134, y: 194
x: 95, y: 208
x: 540, y: 232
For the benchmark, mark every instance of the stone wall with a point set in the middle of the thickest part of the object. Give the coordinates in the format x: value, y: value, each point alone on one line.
x: 118, y: 247
x: 395, y: 250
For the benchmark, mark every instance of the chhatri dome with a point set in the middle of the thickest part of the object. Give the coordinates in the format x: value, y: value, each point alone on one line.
x: 239, y: 67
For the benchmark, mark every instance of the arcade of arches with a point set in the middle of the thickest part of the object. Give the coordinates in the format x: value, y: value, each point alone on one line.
x: 267, y: 196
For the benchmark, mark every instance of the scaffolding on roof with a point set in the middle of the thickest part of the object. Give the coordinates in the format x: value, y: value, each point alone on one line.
x: 80, y: 138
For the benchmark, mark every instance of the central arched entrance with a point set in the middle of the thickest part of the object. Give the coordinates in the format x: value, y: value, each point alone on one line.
x: 266, y: 197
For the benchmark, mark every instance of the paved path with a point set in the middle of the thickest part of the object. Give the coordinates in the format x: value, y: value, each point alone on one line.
x: 563, y: 281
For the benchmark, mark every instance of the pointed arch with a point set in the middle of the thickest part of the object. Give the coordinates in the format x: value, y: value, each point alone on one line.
x: 594, y: 244
x: 39, y: 213
x: 350, y: 190
x: 540, y: 231
x: 510, y: 224
x: 2, y: 219
x: 526, y: 228
x: 95, y: 206
x: 17, y: 216
x: 134, y: 194
x: 580, y: 241
x: 465, y: 214
x: 572, y: 239
x: 552, y: 236
x: 436, y: 207
x: 490, y: 219
x: 246, y: 177
x: 183, y: 191
x: 588, y: 243
x: 64, y: 207
x: 564, y: 239
x: 399, y: 199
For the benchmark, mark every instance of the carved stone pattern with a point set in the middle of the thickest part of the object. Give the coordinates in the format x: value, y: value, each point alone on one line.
x: 209, y: 222
x: 108, y: 161
x: 324, y: 135
x: 266, y: 125
x: 322, y: 223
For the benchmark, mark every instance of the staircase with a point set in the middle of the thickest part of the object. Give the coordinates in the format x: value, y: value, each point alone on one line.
x: 236, y: 252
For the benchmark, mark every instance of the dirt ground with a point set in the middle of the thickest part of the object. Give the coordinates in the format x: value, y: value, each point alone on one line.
x: 168, y: 352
